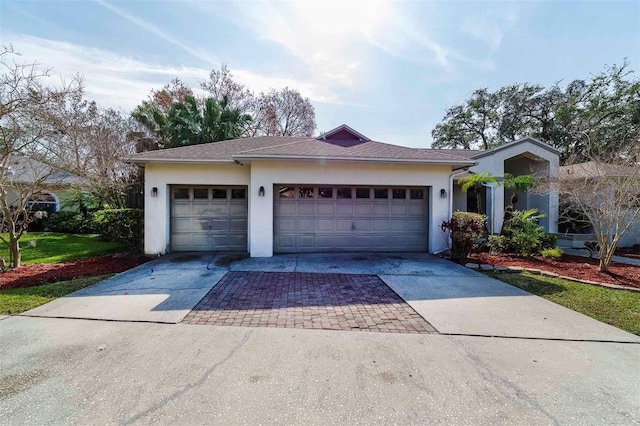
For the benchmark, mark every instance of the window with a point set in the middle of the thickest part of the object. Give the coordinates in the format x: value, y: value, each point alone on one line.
x: 363, y: 193
x: 325, y: 192
x: 417, y: 194
x: 181, y: 193
x: 381, y: 193
x: 43, y: 202
x: 219, y: 193
x: 286, y: 192
x: 399, y: 193
x: 200, y: 194
x: 238, y: 193
x: 344, y: 192
x: 305, y: 192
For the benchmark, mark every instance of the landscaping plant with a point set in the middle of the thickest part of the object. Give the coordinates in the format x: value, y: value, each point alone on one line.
x: 466, y: 232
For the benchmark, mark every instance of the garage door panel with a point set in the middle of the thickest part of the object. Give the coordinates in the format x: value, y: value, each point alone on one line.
x: 307, y: 209
x: 364, y: 208
x: 324, y: 225
x: 206, y: 223
x: 324, y: 208
x: 380, y: 209
x: 362, y: 224
x: 349, y: 224
x: 343, y: 224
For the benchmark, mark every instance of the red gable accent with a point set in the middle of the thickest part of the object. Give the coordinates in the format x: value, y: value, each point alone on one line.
x: 344, y: 136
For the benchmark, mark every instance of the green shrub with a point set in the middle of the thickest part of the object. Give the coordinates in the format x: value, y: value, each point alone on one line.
x: 548, y: 241
x: 121, y: 225
x: 552, y: 253
x: 466, y: 231
x: 525, y: 243
x: 70, y: 222
x: 498, y: 244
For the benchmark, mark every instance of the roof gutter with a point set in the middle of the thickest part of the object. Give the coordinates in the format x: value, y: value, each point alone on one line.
x: 177, y: 161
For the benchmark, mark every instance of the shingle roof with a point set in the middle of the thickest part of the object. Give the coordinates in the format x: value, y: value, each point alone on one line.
x: 265, y: 147
x: 26, y: 170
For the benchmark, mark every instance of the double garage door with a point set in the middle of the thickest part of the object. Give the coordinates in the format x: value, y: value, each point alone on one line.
x: 208, y: 218
x: 340, y: 218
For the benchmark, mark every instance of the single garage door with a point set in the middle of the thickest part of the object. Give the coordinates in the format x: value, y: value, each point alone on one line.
x: 335, y: 218
x: 208, y: 218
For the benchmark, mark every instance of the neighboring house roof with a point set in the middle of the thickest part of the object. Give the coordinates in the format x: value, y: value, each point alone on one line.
x: 297, y: 148
x: 25, y: 170
x: 592, y: 169
x: 344, y: 132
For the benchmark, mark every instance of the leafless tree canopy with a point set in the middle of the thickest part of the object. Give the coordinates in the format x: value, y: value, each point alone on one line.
x: 606, y: 190
x: 275, y: 113
x: 27, y: 106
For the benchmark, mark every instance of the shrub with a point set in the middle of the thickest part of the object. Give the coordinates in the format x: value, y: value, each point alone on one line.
x: 525, y: 243
x: 498, y: 244
x: 121, y: 225
x: 548, y: 241
x: 551, y: 253
x: 70, y: 222
x: 466, y: 231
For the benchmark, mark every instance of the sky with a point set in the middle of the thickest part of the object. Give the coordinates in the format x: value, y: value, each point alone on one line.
x: 389, y: 69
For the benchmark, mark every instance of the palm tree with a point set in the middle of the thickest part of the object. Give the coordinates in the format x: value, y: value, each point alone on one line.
x: 476, y: 181
x: 517, y: 184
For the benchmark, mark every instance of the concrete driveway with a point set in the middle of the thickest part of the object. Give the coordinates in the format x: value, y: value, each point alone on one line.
x: 453, y: 299
x: 549, y: 365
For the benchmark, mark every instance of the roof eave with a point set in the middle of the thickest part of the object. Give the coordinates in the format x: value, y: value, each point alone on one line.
x: 534, y: 141
x: 177, y: 161
x: 356, y: 159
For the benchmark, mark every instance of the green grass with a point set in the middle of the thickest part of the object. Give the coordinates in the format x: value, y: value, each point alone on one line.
x: 49, y: 247
x: 616, y: 307
x: 19, y: 300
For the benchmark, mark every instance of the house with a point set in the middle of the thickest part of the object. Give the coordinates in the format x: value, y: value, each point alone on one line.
x: 526, y: 156
x: 57, y: 185
x: 338, y: 192
x: 576, y: 236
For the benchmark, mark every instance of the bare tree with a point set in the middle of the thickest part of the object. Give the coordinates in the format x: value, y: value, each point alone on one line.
x: 284, y: 113
x: 606, y: 190
x: 26, y: 125
x: 175, y: 91
x: 221, y: 86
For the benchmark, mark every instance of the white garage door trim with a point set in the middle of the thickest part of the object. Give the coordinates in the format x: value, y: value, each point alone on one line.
x: 328, y: 218
x: 209, y: 218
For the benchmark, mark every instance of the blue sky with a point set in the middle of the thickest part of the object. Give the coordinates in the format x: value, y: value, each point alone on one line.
x: 387, y: 68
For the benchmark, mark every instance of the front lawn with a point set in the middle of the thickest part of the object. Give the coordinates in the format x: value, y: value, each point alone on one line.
x: 616, y: 307
x: 19, y: 300
x: 49, y: 247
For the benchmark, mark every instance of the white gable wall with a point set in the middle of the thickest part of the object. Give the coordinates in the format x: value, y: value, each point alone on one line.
x: 494, y: 164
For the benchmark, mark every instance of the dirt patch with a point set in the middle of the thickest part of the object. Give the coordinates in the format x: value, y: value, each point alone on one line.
x: 570, y: 266
x: 41, y: 273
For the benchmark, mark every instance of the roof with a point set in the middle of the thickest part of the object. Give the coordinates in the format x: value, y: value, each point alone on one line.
x: 342, y: 143
x: 297, y: 148
x: 508, y: 145
x: 592, y: 169
x: 26, y: 170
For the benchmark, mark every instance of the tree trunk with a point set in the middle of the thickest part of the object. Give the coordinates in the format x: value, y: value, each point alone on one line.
x: 14, y: 250
x: 479, y: 200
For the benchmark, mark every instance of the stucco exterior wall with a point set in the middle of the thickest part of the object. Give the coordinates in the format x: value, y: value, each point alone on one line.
x: 161, y: 176
x: 268, y: 173
x: 495, y: 164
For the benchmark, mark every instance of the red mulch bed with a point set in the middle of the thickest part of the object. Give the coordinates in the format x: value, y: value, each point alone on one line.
x: 628, y: 252
x: 41, y: 273
x: 569, y: 266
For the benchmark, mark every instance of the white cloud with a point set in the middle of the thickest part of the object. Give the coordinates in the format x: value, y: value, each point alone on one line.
x: 120, y: 81
x: 157, y: 32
